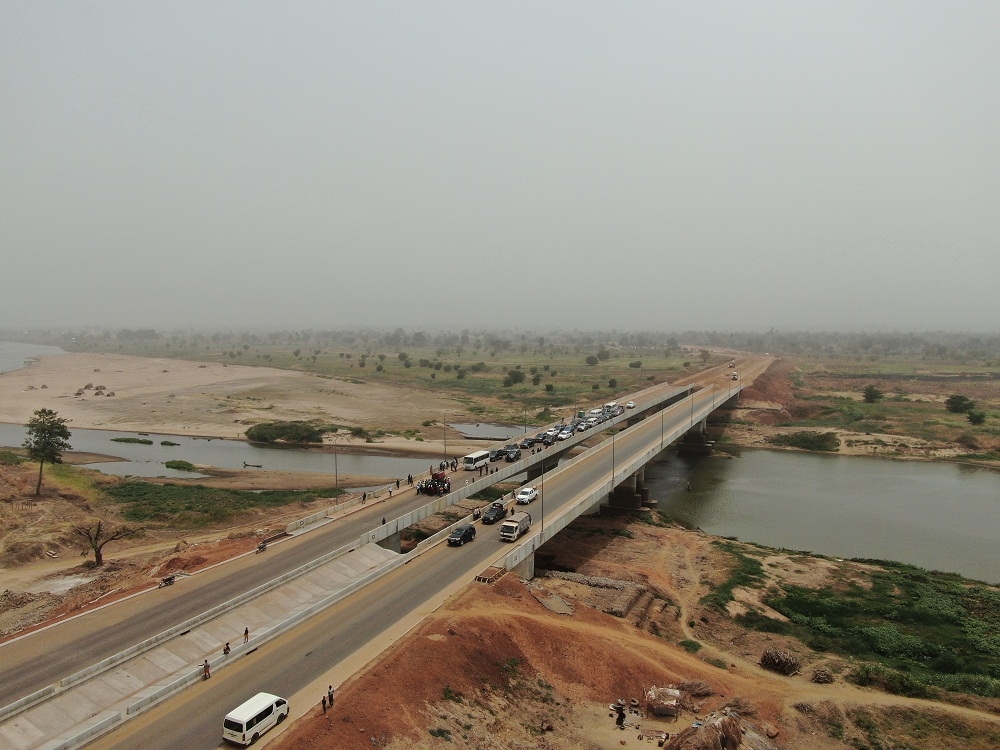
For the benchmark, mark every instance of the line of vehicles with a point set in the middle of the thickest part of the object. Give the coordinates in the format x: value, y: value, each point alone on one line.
x: 512, y: 451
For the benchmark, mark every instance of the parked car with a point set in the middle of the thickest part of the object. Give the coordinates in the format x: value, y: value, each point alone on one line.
x: 525, y: 495
x: 539, y: 437
x: 630, y: 405
x: 527, y: 442
x: 513, y: 455
x: 582, y: 427
x: 565, y: 434
x: 462, y: 534
x: 496, y: 512
x: 497, y: 454
x: 549, y: 439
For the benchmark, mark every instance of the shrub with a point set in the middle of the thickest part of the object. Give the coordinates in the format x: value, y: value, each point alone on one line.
x: 976, y: 417
x: 138, y: 441
x: 181, y: 465
x: 959, y: 404
x: 289, y: 432
x: 591, y: 360
x: 810, y: 441
x: 690, y: 646
x: 635, y: 365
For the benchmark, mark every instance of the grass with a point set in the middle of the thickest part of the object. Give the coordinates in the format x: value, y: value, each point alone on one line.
x: 747, y: 571
x: 181, y: 465
x: 919, y: 631
x: 810, y: 441
x: 137, y: 441
x: 196, y: 506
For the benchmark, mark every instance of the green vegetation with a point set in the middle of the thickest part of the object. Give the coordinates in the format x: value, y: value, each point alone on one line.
x: 9, y: 458
x: 48, y: 436
x: 168, y: 443
x: 137, y: 441
x: 181, y: 465
x: 872, y: 394
x: 691, y: 646
x: 810, y: 441
x: 747, y: 571
x: 288, y: 432
x: 924, y: 631
x: 959, y: 404
x: 196, y: 506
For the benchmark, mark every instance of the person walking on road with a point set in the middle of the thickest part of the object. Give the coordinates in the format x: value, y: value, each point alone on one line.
x: 324, y: 704
x: 226, y: 649
x: 206, y: 669
x: 329, y: 695
x: 246, y: 635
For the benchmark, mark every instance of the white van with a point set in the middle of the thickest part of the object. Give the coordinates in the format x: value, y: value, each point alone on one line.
x: 474, y: 460
x: 248, y: 721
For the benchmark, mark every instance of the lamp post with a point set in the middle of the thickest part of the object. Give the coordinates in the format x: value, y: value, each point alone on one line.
x: 444, y: 432
x: 541, y: 494
x: 525, y: 421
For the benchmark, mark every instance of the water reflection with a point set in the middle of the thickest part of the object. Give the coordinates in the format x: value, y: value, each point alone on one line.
x: 937, y: 516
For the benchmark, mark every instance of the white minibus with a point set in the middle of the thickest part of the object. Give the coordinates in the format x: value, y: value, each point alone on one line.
x: 248, y: 721
x: 474, y: 460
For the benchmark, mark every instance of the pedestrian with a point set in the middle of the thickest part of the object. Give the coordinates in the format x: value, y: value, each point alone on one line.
x: 364, y: 497
x: 383, y: 520
x: 206, y: 669
x: 329, y: 695
x: 226, y: 649
x: 324, y: 704
x: 390, y: 491
x: 246, y: 635
x: 689, y: 486
x: 397, y: 484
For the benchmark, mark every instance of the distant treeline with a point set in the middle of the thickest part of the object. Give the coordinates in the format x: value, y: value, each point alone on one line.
x: 928, y: 345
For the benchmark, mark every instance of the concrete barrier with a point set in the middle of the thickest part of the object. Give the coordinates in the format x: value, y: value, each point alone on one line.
x: 26, y: 702
x: 80, y: 737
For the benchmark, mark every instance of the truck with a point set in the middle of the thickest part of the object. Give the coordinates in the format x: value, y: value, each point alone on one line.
x: 515, y: 526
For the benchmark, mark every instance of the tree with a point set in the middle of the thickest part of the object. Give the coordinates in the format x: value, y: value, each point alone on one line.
x: 47, y: 438
x: 97, y: 536
x: 976, y: 417
x: 592, y: 360
x: 872, y: 394
x: 613, y: 383
x: 704, y: 354
x: 959, y: 404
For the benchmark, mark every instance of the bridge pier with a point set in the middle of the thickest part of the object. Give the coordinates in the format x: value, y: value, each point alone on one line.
x: 526, y: 568
x: 695, y: 441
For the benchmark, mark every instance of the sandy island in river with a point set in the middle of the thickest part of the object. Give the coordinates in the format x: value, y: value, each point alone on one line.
x: 179, y: 397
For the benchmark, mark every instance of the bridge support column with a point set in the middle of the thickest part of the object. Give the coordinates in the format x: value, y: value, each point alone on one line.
x: 526, y: 568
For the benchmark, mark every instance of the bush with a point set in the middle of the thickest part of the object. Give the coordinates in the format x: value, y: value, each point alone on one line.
x: 810, y: 441
x: 289, y: 432
x: 181, y: 465
x: 635, y: 365
x: 549, y: 388
x: 613, y: 383
x: 591, y: 360
x: 959, y: 404
x: 976, y: 417
x: 690, y: 646
x: 138, y: 441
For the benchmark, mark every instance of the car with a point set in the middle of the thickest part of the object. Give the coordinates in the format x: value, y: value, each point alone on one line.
x: 462, y: 534
x: 565, y: 435
x: 539, y: 437
x: 525, y: 495
x: 513, y: 455
x: 593, y: 421
x: 549, y: 439
x: 582, y: 427
x: 510, y: 447
x: 496, y: 512
x: 527, y: 442
x: 630, y: 405
x: 553, y: 431
x: 496, y: 454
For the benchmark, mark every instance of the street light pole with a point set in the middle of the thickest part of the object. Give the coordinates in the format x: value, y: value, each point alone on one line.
x: 336, y: 473
x: 444, y: 432
x: 541, y: 494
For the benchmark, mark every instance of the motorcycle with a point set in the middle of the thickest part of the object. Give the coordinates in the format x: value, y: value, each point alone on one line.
x: 166, y: 581
x: 261, y: 547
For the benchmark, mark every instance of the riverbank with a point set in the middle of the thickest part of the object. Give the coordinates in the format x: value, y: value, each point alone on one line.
x: 179, y: 397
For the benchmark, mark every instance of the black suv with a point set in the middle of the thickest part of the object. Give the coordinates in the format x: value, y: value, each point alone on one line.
x: 497, y: 454
x: 513, y: 455
x: 496, y: 512
x: 462, y: 534
x: 527, y: 442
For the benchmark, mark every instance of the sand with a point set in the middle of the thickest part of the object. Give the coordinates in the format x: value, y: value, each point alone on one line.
x: 179, y: 397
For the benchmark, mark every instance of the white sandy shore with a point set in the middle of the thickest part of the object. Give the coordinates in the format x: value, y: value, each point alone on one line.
x: 180, y: 397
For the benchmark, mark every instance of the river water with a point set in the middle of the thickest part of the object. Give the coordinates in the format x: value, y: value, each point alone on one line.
x: 934, y: 515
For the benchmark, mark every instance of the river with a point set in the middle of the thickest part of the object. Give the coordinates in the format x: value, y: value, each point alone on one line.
x: 938, y: 516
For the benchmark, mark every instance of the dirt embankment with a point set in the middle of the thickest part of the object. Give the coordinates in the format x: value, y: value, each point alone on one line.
x: 537, y: 664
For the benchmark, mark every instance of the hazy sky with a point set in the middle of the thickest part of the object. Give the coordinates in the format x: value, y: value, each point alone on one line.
x: 657, y: 166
